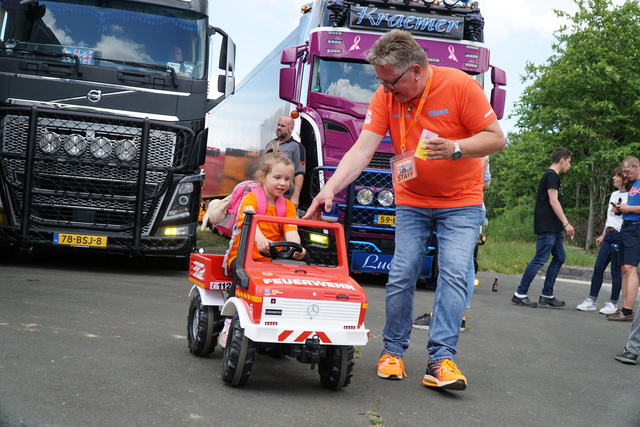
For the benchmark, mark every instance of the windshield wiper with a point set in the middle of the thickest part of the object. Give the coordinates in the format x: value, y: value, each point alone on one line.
x: 164, y: 68
x: 76, y: 58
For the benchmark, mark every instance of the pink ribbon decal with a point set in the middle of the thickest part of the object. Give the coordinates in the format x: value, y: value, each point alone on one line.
x: 355, y: 44
x: 452, y: 53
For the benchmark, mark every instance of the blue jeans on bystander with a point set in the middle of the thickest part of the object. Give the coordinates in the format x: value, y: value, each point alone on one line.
x: 547, y: 243
x: 607, y: 253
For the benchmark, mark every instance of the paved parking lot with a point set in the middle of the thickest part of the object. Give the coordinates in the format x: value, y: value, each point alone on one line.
x: 103, y: 343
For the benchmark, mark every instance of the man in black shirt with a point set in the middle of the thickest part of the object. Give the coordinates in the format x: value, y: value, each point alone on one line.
x: 549, y: 223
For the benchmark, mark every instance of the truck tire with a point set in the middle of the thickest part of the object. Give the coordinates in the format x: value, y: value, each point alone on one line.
x: 202, y: 332
x: 336, y: 368
x: 238, y: 355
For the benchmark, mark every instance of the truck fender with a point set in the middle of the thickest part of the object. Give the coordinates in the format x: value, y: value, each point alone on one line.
x: 236, y: 305
x: 207, y: 297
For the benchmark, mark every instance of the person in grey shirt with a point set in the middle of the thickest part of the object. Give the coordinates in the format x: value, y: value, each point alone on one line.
x: 285, y: 143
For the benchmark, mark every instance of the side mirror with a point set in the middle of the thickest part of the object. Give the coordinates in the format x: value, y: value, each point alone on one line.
x: 498, y: 76
x: 226, y: 83
x: 288, y: 84
x: 498, y: 94
x: 289, y: 56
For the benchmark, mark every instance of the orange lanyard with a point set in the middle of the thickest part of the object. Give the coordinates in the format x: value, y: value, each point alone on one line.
x: 425, y: 93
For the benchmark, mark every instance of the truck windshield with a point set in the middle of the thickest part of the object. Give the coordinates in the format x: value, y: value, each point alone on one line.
x: 355, y: 81
x: 115, y: 34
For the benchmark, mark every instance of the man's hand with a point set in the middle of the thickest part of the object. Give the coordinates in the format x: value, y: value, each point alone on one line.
x: 570, y: 231
x: 323, y: 199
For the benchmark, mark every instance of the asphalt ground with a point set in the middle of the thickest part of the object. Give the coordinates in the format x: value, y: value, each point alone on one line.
x: 103, y: 343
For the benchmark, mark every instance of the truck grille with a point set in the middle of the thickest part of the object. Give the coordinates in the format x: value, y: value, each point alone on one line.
x: 363, y: 216
x: 88, y: 171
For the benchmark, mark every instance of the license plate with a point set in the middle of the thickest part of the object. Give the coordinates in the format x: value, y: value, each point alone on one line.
x: 79, y: 240
x: 385, y: 219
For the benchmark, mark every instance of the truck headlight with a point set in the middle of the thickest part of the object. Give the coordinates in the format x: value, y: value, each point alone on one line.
x: 385, y: 198
x: 182, y: 199
x: 74, y: 145
x: 126, y: 150
x: 49, y: 142
x: 100, y: 148
x: 364, y: 196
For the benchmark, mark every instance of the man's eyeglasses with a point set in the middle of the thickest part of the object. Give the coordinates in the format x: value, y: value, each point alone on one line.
x: 392, y: 84
x: 626, y: 171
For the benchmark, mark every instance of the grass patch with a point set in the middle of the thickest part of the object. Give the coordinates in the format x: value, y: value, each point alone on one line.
x: 512, y: 257
x: 511, y: 244
x: 210, y: 240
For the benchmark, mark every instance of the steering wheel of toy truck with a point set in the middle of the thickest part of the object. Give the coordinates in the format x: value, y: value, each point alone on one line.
x: 286, y: 252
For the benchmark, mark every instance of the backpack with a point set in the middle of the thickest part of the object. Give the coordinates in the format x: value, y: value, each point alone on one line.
x: 229, y: 227
x: 227, y: 224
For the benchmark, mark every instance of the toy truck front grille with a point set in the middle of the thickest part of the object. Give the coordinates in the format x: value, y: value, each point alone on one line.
x: 327, y: 313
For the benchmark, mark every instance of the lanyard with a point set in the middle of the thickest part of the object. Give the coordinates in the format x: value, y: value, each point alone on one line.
x: 425, y: 93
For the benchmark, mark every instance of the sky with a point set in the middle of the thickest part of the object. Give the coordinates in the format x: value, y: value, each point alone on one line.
x: 516, y: 31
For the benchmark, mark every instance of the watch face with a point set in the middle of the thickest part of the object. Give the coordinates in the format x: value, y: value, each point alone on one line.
x: 456, y: 155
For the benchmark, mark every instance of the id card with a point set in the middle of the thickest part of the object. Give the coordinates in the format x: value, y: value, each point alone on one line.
x: 403, y: 168
x: 420, y: 153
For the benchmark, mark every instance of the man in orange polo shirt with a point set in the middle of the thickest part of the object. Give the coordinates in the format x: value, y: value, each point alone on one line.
x: 442, y: 192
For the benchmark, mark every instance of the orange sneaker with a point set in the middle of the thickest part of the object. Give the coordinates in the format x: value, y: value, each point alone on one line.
x: 391, y: 368
x: 444, y: 374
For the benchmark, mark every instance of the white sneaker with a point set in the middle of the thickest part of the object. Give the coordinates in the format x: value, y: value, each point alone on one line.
x: 609, y: 308
x: 222, y: 338
x: 587, y: 305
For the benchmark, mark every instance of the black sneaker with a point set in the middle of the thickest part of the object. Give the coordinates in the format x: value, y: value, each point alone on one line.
x: 627, y: 357
x: 523, y: 301
x: 422, y: 322
x: 551, y: 302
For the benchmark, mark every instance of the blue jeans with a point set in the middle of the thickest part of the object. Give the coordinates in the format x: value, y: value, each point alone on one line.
x: 547, y: 243
x: 457, y: 230
x: 471, y: 279
x: 608, y: 253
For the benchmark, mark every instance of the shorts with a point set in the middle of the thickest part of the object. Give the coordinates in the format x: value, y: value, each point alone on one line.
x: 630, y: 248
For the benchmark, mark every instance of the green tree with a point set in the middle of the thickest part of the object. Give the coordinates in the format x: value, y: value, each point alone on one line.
x: 586, y: 98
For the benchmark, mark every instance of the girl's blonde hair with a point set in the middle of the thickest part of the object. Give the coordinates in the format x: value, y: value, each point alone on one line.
x: 268, y: 161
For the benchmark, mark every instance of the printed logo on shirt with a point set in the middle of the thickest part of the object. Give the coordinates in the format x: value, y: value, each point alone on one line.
x: 433, y: 113
x: 367, y: 119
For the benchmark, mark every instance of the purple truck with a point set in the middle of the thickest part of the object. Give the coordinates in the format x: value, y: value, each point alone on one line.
x: 319, y: 73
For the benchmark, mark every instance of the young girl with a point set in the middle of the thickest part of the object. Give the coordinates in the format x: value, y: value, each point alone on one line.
x: 608, y: 253
x: 275, y: 177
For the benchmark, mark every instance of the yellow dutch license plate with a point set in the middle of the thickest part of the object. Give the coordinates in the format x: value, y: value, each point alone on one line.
x: 385, y: 219
x: 79, y: 240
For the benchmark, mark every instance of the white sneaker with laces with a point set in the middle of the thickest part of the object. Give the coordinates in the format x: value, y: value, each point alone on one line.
x: 587, y: 305
x: 609, y: 308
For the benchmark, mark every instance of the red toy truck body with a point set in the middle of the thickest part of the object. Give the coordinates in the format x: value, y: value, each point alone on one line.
x: 314, y: 312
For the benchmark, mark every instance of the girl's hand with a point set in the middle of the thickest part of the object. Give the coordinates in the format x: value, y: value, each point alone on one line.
x: 263, y: 244
x: 299, y: 255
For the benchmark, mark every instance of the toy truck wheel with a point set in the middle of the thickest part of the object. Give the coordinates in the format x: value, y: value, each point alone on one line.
x: 201, y: 331
x: 238, y: 355
x: 336, y: 368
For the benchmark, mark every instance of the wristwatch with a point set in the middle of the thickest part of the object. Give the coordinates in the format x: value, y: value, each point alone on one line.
x: 457, y: 154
